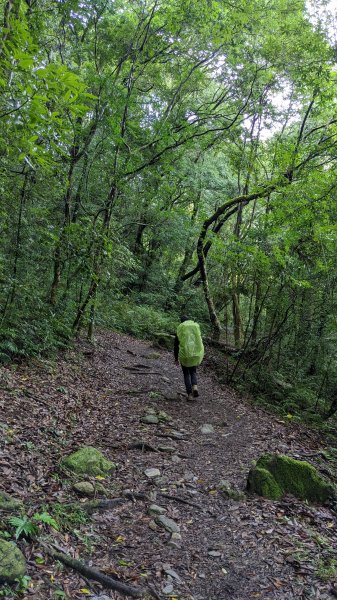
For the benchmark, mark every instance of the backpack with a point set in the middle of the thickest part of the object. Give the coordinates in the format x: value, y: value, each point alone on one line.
x: 191, y: 348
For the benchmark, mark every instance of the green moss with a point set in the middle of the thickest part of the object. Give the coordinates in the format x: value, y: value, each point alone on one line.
x: 88, y: 461
x: 276, y: 475
x: 12, y: 562
x: 261, y: 482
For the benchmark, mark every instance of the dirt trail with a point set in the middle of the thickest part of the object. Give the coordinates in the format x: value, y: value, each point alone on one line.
x: 253, y: 548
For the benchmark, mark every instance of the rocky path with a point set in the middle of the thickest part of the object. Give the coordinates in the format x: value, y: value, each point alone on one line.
x: 126, y: 399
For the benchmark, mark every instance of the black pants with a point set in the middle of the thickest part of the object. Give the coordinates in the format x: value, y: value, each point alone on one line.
x: 190, y: 377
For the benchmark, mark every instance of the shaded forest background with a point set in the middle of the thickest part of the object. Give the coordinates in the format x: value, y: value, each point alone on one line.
x: 159, y: 157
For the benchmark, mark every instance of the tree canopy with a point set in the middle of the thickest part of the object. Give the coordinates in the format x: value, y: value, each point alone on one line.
x: 159, y: 157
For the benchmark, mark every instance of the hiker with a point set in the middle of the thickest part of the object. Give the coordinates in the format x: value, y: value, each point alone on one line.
x: 189, y: 352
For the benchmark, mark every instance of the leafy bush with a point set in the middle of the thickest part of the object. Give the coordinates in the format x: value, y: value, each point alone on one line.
x: 143, y: 321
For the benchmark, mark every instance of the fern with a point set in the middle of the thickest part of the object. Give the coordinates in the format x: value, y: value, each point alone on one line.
x: 45, y: 518
x: 24, y: 527
x: 28, y: 527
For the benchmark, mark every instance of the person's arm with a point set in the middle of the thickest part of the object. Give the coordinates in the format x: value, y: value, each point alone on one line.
x: 176, y: 348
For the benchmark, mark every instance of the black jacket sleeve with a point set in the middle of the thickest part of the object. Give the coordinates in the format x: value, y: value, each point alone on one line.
x: 176, y: 347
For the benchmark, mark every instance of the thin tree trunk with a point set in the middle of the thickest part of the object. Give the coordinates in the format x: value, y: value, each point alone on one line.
x: 210, y: 304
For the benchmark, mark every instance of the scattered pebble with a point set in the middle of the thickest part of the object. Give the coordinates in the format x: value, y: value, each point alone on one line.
x: 168, y: 589
x: 207, y: 428
x: 152, y: 473
x: 150, y: 419
x: 168, y: 524
x: 159, y: 510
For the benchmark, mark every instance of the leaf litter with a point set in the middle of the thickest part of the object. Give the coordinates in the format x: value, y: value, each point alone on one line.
x: 254, y: 548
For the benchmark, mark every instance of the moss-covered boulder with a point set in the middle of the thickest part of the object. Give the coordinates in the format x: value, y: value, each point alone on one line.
x: 276, y: 475
x: 88, y: 461
x: 8, y: 503
x: 12, y: 562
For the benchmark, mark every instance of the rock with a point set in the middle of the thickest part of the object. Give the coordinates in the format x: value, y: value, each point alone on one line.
x: 150, y: 410
x: 189, y: 476
x: 207, y: 428
x: 176, y: 434
x: 166, y: 448
x: 176, y: 459
x: 158, y: 510
x: 214, y: 553
x: 171, y: 572
x: 168, y: 524
x: 12, y: 562
x: 150, y: 419
x: 151, y: 473
x: 276, y: 475
x: 84, y: 487
x: 8, y: 503
x: 88, y: 461
x: 168, y: 589
x: 161, y: 481
x: 230, y: 492
x: 175, y: 540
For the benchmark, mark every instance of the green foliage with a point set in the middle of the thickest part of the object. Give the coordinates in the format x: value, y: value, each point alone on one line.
x: 141, y: 321
x: 68, y: 516
x: 28, y: 527
x: 120, y: 144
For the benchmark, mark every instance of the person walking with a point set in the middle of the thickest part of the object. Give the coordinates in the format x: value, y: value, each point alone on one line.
x: 189, y: 352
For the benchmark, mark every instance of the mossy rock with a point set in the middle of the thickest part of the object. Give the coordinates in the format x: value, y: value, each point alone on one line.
x: 8, y: 503
x: 12, y: 562
x: 88, y: 461
x: 276, y: 475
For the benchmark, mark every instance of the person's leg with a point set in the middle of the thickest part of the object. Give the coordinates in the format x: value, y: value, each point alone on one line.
x: 187, y: 379
x: 194, y: 382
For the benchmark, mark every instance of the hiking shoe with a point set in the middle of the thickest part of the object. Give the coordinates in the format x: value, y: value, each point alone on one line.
x: 195, y: 391
x: 190, y: 398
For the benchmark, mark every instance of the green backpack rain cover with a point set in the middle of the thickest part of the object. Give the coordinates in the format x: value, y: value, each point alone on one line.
x: 191, y: 348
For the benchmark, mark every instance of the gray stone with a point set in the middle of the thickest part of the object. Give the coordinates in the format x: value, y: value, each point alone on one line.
x: 152, y: 472
x: 158, y: 510
x: 176, y: 459
x: 153, y: 526
x: 168, y: 589
x: 12, y: 562
x: 168, y: 524
x: 166, y: 448
x: 84, y: 487
x: 176, y: 434
x: 171, y: 572
x: 214, y: 553
x: 207, y: 428
x: 150, y: 419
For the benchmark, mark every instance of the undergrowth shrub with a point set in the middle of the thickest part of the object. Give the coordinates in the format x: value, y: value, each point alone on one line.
x: 142, y: 321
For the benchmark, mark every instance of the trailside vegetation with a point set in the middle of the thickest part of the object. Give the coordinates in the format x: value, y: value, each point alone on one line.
x: 159, y: 157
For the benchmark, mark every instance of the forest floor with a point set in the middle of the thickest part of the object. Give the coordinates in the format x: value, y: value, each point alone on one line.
x: 251, y: 548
